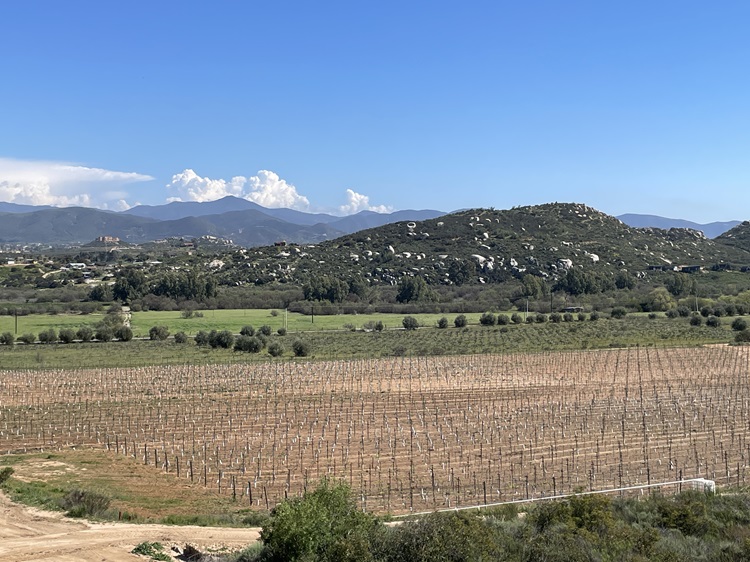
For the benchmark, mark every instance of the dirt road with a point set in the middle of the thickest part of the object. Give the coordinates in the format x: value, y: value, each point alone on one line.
x: 27, y: 534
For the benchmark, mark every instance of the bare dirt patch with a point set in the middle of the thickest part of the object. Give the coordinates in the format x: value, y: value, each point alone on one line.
x: 28, y: 534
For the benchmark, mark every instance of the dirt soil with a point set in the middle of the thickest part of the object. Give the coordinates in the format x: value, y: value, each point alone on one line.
x: 31, y: 534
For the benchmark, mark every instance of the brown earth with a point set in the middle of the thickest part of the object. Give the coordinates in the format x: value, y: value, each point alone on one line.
x: 30, y: 534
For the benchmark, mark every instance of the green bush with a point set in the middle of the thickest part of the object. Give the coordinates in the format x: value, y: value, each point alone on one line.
x: 696, y: 320
x: 80, y: 503
x: 324, y: 525
x: 379, y: 326
x: 281, y: 331
x: 6, y: 338
x: 180, y: 337
x: 739, y: 324
x: 713, y: 322
x: 27, y: 338
x: 202, y: 338
x: 487, y: 319
x: 742, y: 337
x: 516, y: 318
x: 67, y: 335
x: 124, y: 333
x: 85, y: 333
x: 442, y: 323
x: 301, y: 348
x: 410, y: 323
x: 5, y: 473
x: 223, y: 339
x: 158, y: 333
x: 48, y: 336
x: 248, y: 344
x: 540, y: 318
x: 460, y: 321
x: 247, y: 331
x: 266, y: 330
x: 619, y: 312
x: 275, y: 349
x: 555, y: 317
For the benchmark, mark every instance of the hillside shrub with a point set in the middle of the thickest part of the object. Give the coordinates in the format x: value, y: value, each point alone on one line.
x: 442, y: 323
x: 158, y: 333
x: 540, y: 318
x: 266, y: 330
x: 247, y: 331
x: 180, y: 337
x: 672, y: 313
x: 739, y: 324
x: 281, y: 331
x: 594, y: 316
x: 503, y: 320
x: 696, y: 320
x: 581, y: 316
x: 460, y: 321
x: 410, y: 323
x: 683, y: 311
x: 567, y: 317
x: 742, y: 337
x: 379, y: 326
x: 713, y: 322
x: 555, y: 317
x: 6, y: 338
x: 516, y: 318
x: 652, y: 315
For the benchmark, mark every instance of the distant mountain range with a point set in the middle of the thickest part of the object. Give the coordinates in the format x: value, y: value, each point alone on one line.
x: 244, y: 222
x: 711, y: 230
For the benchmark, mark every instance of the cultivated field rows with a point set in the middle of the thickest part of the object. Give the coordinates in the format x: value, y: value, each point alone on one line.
x: 407, y: 433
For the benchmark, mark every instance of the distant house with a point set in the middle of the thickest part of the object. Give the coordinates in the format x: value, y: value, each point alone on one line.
x: 77, y: 266
x: 691, y: 268
x: 573, y: 309
x: 108, y: 239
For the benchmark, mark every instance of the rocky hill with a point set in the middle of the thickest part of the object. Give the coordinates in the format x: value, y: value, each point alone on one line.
x: 489, y: 245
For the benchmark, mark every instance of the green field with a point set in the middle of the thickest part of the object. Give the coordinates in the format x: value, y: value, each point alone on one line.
x: 232, y: 320
x: 341, y: 343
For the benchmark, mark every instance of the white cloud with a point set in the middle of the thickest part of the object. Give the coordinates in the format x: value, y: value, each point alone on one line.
x: 61, y: 184
x: 357, y: 202
x: 266, y: 189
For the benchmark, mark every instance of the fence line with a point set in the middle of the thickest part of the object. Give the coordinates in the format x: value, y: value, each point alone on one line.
x: 707, y: 485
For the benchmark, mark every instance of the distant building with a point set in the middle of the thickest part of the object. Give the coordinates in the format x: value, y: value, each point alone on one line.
x: 108, y: 239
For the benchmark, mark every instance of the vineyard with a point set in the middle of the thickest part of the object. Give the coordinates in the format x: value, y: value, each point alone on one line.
x: 408, y: 433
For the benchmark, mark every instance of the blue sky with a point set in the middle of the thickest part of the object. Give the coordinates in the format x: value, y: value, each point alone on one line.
x: 339, y: 106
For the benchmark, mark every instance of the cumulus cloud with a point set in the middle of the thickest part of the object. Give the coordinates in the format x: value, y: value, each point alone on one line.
x: 357, y: 202
x: 266, y: 189
x: 61, y: 184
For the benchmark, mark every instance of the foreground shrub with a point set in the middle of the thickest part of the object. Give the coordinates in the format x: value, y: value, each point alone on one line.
x: 696, y: 320
x: 442, y: 323
x: 739, y: 324
x: 104, y: 333
x: 6, y: 338
x: 81, y: 503
x: 742, y: 337
x: 713, y: 322
x: 180, y: 337
x: 247, y: 331
x: 266, y: 330
x: 516, y: 318
x: 202, y: 338
x: 323, y: 525
x: 619, y: 312
x: 460, y: 321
